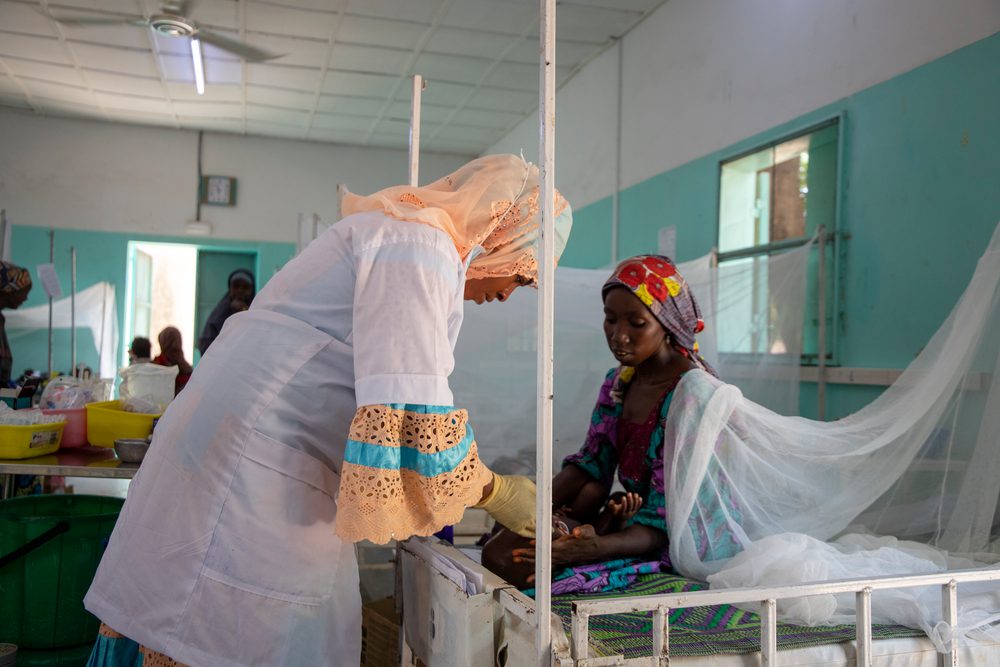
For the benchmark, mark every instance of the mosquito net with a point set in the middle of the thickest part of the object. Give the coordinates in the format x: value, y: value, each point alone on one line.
x: 909, y: 484
x: 760, y: 496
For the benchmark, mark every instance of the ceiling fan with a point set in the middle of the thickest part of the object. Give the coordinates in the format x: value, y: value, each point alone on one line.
x: 173, y: 21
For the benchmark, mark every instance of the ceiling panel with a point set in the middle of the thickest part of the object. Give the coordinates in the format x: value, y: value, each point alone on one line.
x: 290, y: 99
x: 116, y: 60
x: 276, y: 20
x: 344, y: 73
x: 357, y: 106
x: 191, y: 109
x: 510, y: 18
x: 125, y: 85
x: 185, y: 90
x: 370, y: 59
x: 65, y: 74
x: 47, y: 49
x: 355, y: 83
x: 418, y: 11
x: 289, y: 117
x: 277, y: 76
x: 124, y: 35
x: 131, y: 103
x: 340, y: 122
x: 366, y: 30
x: 26, y: 18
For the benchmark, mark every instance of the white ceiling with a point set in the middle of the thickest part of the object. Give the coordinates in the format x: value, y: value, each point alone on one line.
x: 344, y: 77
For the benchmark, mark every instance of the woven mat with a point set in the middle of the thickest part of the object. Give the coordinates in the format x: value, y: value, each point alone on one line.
x: 699, y: 630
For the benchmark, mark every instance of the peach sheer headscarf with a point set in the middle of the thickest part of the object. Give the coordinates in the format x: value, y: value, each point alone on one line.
x: 491, y: 202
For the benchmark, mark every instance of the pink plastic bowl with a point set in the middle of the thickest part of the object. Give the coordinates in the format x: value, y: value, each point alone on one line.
x: 75, y: 431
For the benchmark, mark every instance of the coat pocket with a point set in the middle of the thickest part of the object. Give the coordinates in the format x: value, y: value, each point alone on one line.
x: 275, y: 533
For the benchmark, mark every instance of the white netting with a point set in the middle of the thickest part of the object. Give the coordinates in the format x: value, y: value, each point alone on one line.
x: 498, y: 342
x: 909, y: 484
x: 754, y: 497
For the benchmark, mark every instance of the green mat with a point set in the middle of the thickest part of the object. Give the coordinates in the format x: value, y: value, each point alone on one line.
x: 699, y: 630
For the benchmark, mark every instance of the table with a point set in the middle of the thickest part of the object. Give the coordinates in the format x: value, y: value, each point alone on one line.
x: 79, y: 462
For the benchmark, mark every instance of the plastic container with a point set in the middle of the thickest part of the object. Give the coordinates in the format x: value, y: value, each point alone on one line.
x: 43, y: 587
x: 75, y: 433
x: 24, y: 442
x: 107, y: 422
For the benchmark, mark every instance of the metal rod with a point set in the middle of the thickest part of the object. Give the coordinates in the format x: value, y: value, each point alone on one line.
x: 949, y: 607
x: 741, y: 595
x: 418, y: 86
x: 581, y: 635
x: 616, y: 193
x: 3, y: 232
x: 769, y: 633
x: 661, y: 636
x: 72, y: 310
x: 764, y: 249
x: 52, y: 261
x: 546, y: 283
x: 863, y: 626
x: 821, y: 336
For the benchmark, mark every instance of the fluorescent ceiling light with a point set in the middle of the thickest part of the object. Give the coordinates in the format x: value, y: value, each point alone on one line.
x: 199, y: 68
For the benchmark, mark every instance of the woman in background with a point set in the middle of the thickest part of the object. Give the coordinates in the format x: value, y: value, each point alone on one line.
x: 15, y: 283
x: 172, y: 354
x: 237, y: 299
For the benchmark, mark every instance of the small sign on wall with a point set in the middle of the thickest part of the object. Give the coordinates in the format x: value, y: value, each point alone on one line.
x: 217, y: 190
x: 50, y: 281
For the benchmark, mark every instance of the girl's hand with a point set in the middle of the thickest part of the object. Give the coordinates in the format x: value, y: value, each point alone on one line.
x: 626, y: 507
x: 582, y: 545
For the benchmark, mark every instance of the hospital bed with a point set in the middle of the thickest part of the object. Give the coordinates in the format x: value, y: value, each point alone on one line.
x: 444, y: 625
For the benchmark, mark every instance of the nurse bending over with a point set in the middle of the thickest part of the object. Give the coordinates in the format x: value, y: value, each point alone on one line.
x: 319, y: 417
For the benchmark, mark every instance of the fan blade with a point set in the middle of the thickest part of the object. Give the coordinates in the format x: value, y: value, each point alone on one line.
x: 95, y: 20
x: 86, y: 20
x: 251, y: 53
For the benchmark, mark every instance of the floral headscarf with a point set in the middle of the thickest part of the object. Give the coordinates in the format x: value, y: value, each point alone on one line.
x: 13, y: 278
x: 655, y: 281
x: 491, y: 202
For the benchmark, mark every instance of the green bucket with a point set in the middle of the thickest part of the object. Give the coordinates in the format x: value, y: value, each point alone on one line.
x: 49, y: 550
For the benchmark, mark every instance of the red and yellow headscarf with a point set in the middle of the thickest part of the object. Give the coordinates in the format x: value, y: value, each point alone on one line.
x: 654, y: 280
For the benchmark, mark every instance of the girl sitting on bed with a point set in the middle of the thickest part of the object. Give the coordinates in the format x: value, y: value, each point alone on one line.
x: 650, y: 321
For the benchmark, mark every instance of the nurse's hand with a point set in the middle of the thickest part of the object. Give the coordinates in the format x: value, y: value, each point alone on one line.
x: 512, y: 503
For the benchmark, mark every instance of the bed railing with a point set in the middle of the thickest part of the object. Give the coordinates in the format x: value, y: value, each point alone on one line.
x: 767, y: 597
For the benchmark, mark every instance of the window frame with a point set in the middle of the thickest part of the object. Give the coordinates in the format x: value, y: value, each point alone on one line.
x: 834, y: 238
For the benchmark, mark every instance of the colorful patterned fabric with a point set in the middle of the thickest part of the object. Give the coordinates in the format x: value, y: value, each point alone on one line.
x: 655, y: 281
x: 712, y: 630
x: 601, y: 457
x: 408, y: 470
x: 601, y: 452
x: 13, y: 278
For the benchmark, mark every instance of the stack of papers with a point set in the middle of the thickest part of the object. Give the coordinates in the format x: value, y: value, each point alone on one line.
x: 459, y: 573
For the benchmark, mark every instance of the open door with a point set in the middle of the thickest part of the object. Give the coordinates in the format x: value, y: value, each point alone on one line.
x: 214, y: 267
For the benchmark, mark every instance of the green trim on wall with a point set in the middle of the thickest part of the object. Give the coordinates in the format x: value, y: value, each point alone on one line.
x: 103, y: 256
x: 588, y: 246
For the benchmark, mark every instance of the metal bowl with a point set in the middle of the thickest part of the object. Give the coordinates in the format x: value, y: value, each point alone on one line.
x: 131, y: 450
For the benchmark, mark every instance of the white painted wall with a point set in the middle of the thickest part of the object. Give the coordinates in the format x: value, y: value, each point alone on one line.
x: 699, y: 76
x: 81, y: 174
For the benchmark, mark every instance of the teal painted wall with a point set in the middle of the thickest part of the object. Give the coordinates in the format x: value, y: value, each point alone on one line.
x: 589, y: 244
x: 101, y: 256
x: 920, y: 199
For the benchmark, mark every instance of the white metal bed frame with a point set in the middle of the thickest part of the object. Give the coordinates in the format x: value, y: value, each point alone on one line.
x: 553, y: 650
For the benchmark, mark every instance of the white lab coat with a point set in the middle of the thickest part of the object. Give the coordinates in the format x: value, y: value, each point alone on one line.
x: 225, y: 553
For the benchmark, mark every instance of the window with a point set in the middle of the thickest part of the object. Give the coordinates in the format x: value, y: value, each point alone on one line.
x: 771, y: 200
